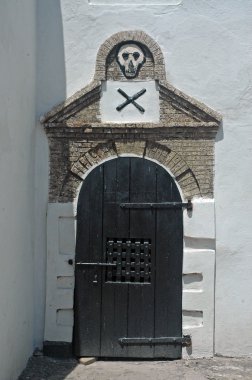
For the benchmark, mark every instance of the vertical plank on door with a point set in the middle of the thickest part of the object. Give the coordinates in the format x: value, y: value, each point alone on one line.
x: 169, y: 246
x: 88, y: 249
x: 115, y: 225
x: 142, y: 225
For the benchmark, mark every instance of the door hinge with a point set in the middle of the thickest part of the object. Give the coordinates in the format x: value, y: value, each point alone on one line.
x: 184, y: 341
x: 157, y: 205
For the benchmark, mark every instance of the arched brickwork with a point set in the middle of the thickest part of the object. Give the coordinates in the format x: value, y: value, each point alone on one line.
x: 175, y: 164
x: 134, y: 36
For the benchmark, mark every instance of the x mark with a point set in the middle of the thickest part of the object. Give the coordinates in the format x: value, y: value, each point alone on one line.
x: 131, y: 100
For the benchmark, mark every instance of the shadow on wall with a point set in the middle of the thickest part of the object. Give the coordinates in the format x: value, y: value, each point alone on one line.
x: 220, y: 133
x: 51, y: 90
x: 51, y: 76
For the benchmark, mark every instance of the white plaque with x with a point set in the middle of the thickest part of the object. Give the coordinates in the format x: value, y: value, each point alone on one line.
x: 132, y: 101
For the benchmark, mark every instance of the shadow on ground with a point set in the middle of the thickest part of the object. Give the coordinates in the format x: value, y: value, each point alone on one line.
x: 41, y: 368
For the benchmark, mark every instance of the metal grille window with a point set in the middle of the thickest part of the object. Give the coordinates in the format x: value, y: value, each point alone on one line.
x: 132, y: 259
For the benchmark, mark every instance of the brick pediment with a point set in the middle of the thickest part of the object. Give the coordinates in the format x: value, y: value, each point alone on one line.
x: 172, y: 108
x: 130, y: 109
x: 175, y: 109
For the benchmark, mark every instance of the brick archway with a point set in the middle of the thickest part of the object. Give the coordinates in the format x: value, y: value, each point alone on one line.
x: 159, y: 153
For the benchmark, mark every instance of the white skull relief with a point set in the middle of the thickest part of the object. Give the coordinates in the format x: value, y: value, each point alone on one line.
x: 130, y: 58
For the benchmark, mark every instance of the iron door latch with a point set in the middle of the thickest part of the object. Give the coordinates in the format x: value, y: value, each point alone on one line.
x: 96, y: 264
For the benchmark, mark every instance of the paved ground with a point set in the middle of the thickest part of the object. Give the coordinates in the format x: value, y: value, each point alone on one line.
x: 43, y: 368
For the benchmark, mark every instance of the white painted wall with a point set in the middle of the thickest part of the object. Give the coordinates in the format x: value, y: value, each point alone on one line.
x: 51, y: 90
x: 17, y: 132
x: 208, y: 53
x: 61, y: 226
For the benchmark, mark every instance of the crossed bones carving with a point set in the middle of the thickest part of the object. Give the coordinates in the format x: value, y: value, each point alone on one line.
x: 131, y: 100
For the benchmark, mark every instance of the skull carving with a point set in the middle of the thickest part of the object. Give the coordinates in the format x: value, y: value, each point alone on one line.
x: 130, y: 58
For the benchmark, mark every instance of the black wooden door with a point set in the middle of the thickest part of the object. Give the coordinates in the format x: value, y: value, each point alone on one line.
x: 138, y: 292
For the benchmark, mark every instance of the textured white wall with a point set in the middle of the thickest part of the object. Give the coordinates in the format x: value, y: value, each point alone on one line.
x: 208, y: 53
x: 51, y: 90
x: 17, y: 128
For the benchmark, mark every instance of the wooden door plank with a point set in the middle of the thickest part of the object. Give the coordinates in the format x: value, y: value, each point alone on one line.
x: 88, y: 249
x: 115, y: 225
x: 142, y: 225
x: 169, y: 246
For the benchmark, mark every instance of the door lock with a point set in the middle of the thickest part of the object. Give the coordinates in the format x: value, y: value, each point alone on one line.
x: 95, y: 280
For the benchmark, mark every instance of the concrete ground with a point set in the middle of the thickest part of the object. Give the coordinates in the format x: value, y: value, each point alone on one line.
x: 44, y: 368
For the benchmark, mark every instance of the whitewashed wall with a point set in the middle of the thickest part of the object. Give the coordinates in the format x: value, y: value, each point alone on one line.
x: 17, y: 129
x: 51, y: 90
x: 208, y: 53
